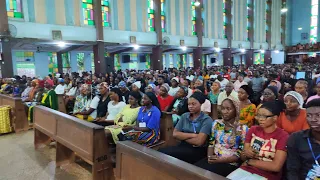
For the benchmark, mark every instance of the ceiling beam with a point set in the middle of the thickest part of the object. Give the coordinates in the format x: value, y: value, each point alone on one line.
x: 122, y: 51
x: 168, y: 50
x: 71, y: 48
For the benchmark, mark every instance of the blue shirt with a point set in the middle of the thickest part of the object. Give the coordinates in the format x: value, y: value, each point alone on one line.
x: 150, y: 117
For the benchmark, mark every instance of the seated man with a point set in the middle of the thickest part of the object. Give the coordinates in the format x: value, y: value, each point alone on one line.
x: 304, y: 147
x: 192, y: 130
x: 229, y: 92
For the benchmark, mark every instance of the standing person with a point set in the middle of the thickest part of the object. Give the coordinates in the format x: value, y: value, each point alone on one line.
x: 247, y: 108
x: 257, y: 86
x: 239, y: 83
x: 179, y: 105
x: 304, y: 147
x: 265, y: 147
x: 164, y: 98
x: 227, y: 93
x: 147, y: 129
x: 192, y: 131
x: 294, y: 117
x: 174, y: 86
x: 226, y: 141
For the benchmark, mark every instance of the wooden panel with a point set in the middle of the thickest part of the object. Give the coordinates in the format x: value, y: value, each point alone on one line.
x: 76, y: 137
x: 136, y: 169
x: 61, y: 104
x: 132, y: 158
x: 45, y: 121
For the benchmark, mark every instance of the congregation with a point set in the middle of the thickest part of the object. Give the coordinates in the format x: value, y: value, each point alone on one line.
x: 257, y: 122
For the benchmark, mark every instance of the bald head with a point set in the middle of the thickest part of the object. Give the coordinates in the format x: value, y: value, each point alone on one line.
x: 229, y: 87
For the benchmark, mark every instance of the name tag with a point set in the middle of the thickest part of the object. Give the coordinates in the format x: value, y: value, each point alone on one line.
x: 142, y: 125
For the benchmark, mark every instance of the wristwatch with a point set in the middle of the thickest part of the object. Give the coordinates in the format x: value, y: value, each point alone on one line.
x: 247, y: 162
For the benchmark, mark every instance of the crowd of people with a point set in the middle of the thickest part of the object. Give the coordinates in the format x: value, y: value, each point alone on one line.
x: 257, y: 122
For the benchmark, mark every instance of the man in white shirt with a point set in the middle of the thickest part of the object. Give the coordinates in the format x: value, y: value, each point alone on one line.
x: 229, y: 92
x: 190, y: 76
x: 60, y: 89
x: 223, y: 82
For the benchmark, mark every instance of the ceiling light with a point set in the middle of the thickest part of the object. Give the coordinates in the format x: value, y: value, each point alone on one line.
x: 184, y: 48
x: 242, y: 50
x: 136, y: 46
x: 197, y: 3
x: 283, y: 10
x: 300, y: 28
x: 217, y: 49
x: 276, y: 51
x: 262, y: 51
x: 61, y: 44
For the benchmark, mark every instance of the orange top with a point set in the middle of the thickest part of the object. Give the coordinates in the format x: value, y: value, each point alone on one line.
x: 293, y: 126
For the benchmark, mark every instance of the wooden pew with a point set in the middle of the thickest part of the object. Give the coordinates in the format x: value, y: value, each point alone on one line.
x: 214, y: 111
x: 19, y: 118
x: 61, y: 104
x: 74, y: 137
x: 136, y: 162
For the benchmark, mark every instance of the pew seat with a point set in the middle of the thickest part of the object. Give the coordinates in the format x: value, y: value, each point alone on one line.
x: 74, y: 137
x: 136, y: 162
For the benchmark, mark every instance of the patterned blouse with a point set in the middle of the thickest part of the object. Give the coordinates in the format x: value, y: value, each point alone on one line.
x: 213, y: 97
x: 247, y: 115
x: 227, y: 143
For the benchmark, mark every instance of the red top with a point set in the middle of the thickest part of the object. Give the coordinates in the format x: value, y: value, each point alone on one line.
x: 293, y: 126
x: 165, y: 102
x: 266, y: 144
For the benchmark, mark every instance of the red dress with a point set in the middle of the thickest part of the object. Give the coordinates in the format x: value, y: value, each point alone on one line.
x: 165, y: 102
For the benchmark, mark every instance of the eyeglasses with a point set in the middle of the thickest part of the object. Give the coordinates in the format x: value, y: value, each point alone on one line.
x: 267, y: 94
x: 262, y: 116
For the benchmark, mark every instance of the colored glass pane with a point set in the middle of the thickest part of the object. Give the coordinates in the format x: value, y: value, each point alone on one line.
x: 314, y: 21
x: 87, y: 7
x: 151, y: 15
x: 105, y: 9
x: 14, y: 8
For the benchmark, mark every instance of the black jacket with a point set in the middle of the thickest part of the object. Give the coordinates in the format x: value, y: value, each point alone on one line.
x: 182, y: 106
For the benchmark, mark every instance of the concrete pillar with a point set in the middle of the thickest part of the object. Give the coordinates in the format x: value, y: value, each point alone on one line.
x: 229, y: 21
x: 249, y: 57
x: 99, y: 60
x: 269, y: 19
x: 267, y: 57
x: 73, y: 61
x: 197, y: 56
x: 59, y: 62
x: 227, y: 59
x: 156, y: 58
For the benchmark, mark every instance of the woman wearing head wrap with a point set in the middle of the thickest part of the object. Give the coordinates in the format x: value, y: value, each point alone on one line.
x: 164, y: 98
x: 247, y: 109
x: 206, y: 106
x: 29, y: 93
x: 192, y: 130
x: 38, y: 87
x: 50, y: 98
x: 294, y: 117
x: 179, y: 105
x: 226, y: 141
x: 81, y: 101
x: 147, y: 129
x: 124, y: 91
x: 174, y: 86
x: 265, y: 149
x: 150, y: 88
x: 136, y: 87
x: 126, y: 118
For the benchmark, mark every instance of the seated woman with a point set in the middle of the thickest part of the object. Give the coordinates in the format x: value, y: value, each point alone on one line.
x: 25, y: 93
x: 265, y: 146
x: 226, y: 141
x: 102, y: 108
x: 247, y: 109
x: 89, y: 112
x: 206, y: 106
x: 81, y: 101
x: 50, y: 98
x: 126, y: 118
x: 116, y: 104
x: 294, y: 118
x: 147, y: 129
x: 214, y: 93
x: 164, y: 98
x: 32, y: 91
x: 136, y: 87
x: 150, y: 88
x: 179, y: 105
x: 192, y: 130
x: 269, y: 94
x: 35, y: 101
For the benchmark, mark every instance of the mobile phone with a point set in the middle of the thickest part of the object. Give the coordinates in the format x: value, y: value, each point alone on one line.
x: 213, y: 157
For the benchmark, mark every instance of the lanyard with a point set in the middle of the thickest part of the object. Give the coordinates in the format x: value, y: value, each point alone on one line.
x: 143, y: 113
x: 314, y: 157
x: 194, y: 127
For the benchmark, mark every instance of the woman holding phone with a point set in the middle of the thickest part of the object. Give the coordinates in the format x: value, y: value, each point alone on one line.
x: 226, y: 141
x: 265, y: 149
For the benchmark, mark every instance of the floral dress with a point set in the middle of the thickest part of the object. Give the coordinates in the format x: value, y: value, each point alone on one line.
x: 247, y: 115
x: 227, y: 143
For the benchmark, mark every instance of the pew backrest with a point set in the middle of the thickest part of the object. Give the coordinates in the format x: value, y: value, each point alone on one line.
x: 136, y: 162
x: 61, y: 104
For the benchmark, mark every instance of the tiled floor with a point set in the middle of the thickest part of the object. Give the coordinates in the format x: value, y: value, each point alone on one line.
x: 20, y: 161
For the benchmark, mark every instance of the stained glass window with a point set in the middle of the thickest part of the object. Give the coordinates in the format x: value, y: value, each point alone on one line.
x: 105, y: 13
x: 249, y: 3
x: 87, y: 6
x: 193, y: 18
x: 225, y: 22
x: 266, y: 19
x: 314, y: 21
x: 14, y: 8
x: 151, y: 15
x: 163, y: 17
